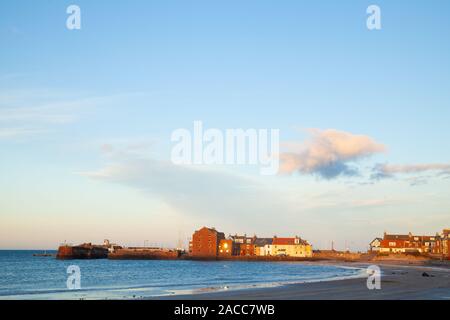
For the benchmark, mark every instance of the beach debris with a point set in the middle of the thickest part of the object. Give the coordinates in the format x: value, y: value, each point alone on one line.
x: 425, y: 274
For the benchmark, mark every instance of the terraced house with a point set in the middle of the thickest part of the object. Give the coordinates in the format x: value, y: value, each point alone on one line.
x: 208, y: 242
x: 243, y: 245
x: 291, y: 247
x: 444, y: 243
x: 437, y: 245
x: 263, y: 246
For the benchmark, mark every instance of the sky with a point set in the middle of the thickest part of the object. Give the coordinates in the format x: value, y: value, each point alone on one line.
x: 86, y: 118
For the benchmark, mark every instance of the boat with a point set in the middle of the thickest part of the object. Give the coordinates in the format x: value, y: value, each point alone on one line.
x: 44, y: 254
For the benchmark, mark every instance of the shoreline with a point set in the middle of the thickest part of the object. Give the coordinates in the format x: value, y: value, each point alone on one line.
x: 398, y: 282
x: 236, y: 288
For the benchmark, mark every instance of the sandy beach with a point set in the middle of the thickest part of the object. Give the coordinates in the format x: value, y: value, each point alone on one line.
x: 398, y: 282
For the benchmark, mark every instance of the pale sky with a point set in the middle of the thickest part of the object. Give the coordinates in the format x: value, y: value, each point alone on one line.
x: 86, y: 118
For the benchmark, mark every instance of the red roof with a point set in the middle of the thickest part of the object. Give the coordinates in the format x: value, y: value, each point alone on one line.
x: 283, y: 241
x: 393, y: 243
x: 396, y: 237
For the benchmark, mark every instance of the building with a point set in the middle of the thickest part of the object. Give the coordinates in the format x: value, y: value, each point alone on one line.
x: 291, y: 247
x: 375, y: 245
x: 430, y: 244
x: 112, y: 247
x: 209, y: 243
x: 205, y: 242
x: 395, y: 243
x: 243, y: 245
x: 444, y: 244
x: 263, y: 246
x: 226, y: 248
x: 190, y: 247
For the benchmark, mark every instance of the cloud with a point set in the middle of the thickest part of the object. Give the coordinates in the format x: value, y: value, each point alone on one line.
x: 28, y: 113
x: 329, y: 153
x: 417, y: 181
x: 381, y: 171
x: 42, y: 108
x: 31, y: 112
x: 193, y: 190
x: 343, y: 201
x: 125, y: 147
x: 44, y: 114
x: 6, y: 133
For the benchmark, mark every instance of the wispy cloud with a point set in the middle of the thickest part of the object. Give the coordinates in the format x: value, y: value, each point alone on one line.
x: 40, y: 114
x: 16, y: 132
x: 381, y: 171
x: 329, y: 153
x: 41, y: 107
x: 30, y: 112
x: 193, y: 190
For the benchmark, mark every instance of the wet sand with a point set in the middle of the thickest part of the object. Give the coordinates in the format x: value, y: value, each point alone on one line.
x: 398, y: 282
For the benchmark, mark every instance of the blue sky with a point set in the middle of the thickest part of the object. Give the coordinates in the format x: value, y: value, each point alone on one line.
x: 105, y: 99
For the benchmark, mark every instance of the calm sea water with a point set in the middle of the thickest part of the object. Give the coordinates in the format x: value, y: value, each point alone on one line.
x: 23, y: 276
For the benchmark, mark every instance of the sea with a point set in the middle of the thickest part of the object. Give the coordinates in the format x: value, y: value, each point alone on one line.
x: 24, y: 276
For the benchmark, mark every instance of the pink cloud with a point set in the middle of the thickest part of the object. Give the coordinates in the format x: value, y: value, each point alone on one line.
x: 328, y: 153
